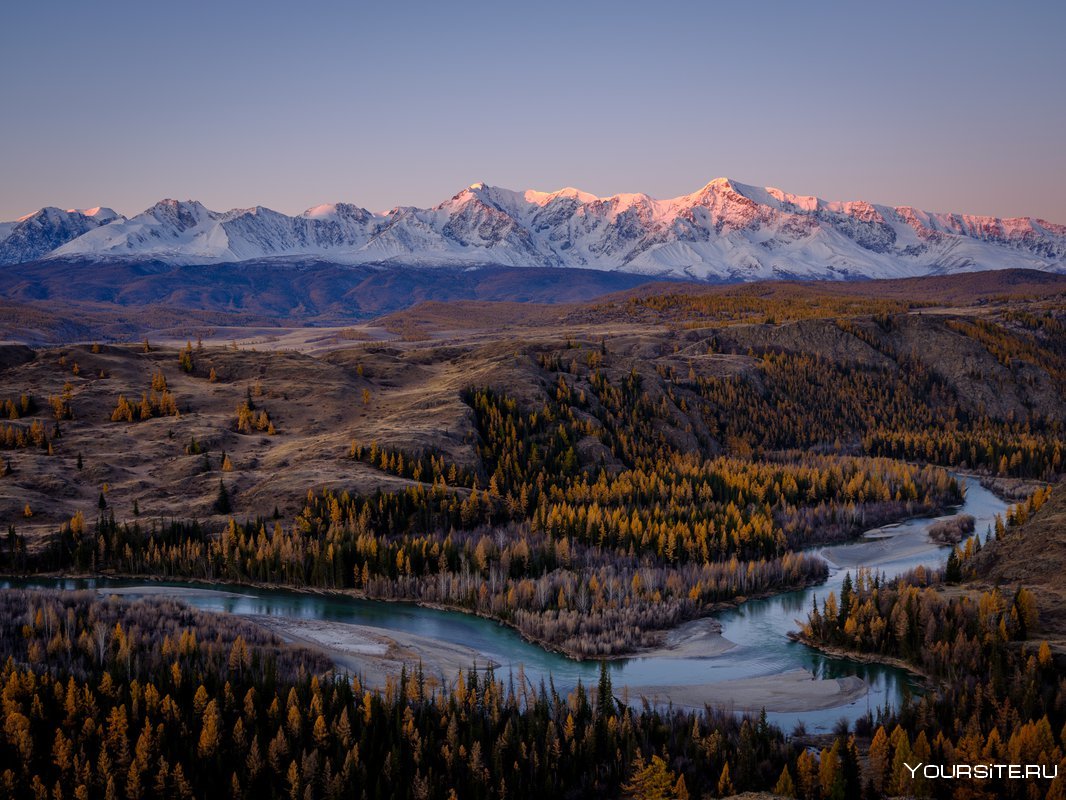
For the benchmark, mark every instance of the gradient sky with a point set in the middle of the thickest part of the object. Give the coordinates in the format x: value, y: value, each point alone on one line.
x: 953, y: 107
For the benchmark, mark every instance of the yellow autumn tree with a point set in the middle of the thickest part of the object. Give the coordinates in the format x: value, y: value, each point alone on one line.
x: 654, y: 781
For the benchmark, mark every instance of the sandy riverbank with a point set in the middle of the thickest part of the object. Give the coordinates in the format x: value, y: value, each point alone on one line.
x: 881, y: 545
x: 376, y: 653
x: 700, y: 638
x: 172, y: 592
x: 364, y: 650
x: 793, y: 691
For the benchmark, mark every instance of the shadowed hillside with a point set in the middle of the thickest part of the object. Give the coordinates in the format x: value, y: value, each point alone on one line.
x: 1033, y: 555
x: 52, y: 302
x: 67, y: 300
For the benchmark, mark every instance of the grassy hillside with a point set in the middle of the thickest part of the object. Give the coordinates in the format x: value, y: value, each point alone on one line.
x: 864, y: 385
x: 1032, y: 554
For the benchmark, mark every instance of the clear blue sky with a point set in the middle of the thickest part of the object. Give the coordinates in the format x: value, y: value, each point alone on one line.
x: 946, y: 106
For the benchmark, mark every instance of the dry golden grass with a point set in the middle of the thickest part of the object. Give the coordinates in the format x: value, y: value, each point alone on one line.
x: 1033, y: 556
x: 325, y: 387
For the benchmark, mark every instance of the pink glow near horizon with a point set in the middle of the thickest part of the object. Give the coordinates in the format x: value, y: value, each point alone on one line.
x: 247, y: 103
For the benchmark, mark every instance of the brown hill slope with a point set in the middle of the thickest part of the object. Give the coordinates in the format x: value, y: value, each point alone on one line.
x: 964, y: 289
x: 1034, y: 555
x: 413, y: 402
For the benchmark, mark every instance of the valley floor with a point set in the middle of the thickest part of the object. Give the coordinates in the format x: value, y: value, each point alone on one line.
x: 376, y: 654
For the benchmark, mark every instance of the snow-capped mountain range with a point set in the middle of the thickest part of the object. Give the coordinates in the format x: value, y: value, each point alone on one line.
x: 36, y: 235
x: 726, y: 230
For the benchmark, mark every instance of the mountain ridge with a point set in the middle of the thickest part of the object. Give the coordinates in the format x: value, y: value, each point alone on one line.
x: 726, y: 230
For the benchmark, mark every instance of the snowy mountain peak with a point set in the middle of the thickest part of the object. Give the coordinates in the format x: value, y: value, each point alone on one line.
x: 170, y: 202
x: 194, y: 206
x: 100, y: 213
x: 42, y: 232
x: 806, y: 203
x: 719, y: 184
x: 183, y: 213
x: 726, y: 229
x: 566, y: 193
